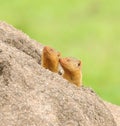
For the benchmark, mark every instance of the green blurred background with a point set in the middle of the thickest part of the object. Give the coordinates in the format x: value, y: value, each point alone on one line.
x: 86, y: 29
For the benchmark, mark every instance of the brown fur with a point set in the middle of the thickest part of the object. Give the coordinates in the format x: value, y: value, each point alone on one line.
x: 72, y: 70
x: 50, y: 59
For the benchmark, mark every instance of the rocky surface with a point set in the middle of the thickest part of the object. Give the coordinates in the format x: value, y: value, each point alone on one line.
x: 17, y: 39
x: 33, y: 96
x: 115, y: 110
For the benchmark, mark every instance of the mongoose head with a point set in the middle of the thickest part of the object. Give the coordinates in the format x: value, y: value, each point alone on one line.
x: 50, y: 58
x: 72, y: 70
x: 70, y: 64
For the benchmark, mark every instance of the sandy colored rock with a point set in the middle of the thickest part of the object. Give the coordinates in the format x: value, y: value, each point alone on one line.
x: 33, y: 96
x: 115, y: 110
x: 21, y: 41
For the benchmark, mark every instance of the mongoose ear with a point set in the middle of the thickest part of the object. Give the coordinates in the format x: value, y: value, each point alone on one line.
x: 46, y: 47
x: 59, y: 54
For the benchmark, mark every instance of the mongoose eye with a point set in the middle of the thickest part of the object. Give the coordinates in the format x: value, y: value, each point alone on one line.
x: 68, y: 60
x: 79, y: 63
x: 51, y: 49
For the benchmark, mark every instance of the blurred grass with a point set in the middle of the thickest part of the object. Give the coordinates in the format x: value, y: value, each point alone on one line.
x: 85, y: 29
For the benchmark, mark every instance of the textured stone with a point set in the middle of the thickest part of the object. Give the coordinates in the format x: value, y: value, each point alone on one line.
x: 33, y: 96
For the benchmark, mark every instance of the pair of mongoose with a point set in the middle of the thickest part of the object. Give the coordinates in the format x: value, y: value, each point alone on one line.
x: 71, y: 66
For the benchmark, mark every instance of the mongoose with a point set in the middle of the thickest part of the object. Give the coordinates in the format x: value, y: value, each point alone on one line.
x: 50, y: 59
x: 72, y: 70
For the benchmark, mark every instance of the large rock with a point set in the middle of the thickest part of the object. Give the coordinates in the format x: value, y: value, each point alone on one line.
x: 33, y: 96
x: 115, y: 110
x: 21, y: 41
